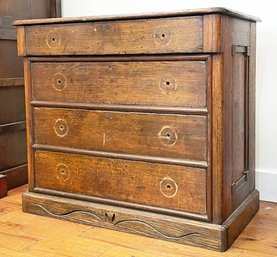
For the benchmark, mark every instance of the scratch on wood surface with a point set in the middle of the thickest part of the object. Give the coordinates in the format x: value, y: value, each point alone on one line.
x: 104, y: 139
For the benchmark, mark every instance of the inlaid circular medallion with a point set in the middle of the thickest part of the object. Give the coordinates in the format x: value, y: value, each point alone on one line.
x: 168, y: 136
x: 168, y: 85
x: 162, y: 36
x: 61, y: 127
x: 168, y: 187
x: 59, y: 81
x: 53, y: 39
x: 62, y: 172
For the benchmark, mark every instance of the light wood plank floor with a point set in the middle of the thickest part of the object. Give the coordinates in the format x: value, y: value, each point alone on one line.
x: 26, y: 235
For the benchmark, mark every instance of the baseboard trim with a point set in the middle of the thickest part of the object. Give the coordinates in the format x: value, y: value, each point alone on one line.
x: 266, y: 183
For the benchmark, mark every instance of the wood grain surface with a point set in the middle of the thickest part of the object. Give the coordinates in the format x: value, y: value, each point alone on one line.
x: 187, y: 12
x: 137, y: 182
x: 13, y: 63
x: 160, y: 226
x: 175, y: 136
x: 12, y: 149
x: 159, y: 83
x: 17, y: 176
x: 13, y: 97
x: 116, y: 37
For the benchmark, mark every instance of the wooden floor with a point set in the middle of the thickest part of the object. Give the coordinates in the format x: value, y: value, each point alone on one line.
x: 29, y: 235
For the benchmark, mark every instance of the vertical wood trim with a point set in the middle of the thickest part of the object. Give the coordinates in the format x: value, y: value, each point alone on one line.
x: 227, y: 39
x: 209, y: 77
x: 212, y: 33
x: 29, y: 3
x: 21, y: 48
x: 252, y: 109
x: 217, y: 138
x: 246, y: 113
x: 55, y: 8
x: 29, y: 125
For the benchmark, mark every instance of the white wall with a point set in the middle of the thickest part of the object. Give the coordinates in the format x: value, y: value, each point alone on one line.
x: 266, y: 142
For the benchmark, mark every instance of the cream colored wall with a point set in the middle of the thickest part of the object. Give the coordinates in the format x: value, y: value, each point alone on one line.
x: 266, y: 142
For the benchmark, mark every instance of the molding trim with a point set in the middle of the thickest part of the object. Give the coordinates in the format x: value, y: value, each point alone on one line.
x: 266, y: 183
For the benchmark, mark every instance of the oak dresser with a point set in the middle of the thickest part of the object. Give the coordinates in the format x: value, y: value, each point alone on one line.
x: 143, y: 123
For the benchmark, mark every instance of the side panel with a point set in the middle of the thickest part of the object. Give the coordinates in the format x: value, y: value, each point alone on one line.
x: 233, y: 113
x: 238, y: 113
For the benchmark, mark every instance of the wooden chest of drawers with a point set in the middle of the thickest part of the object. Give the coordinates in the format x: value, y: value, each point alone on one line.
x: 143, y: 124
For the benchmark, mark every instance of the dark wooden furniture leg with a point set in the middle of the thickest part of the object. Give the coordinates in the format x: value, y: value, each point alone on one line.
x: 3, y: 186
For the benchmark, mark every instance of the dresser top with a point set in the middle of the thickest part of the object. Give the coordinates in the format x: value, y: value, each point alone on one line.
x: 188, y: 12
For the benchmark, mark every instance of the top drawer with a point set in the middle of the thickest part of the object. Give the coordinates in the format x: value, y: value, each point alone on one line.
x: 148, y: 36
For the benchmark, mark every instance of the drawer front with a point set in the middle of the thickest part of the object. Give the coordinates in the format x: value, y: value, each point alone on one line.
x: 12, y: 105
x: 158, y: 83
x: 175, y: 187
x: 174, y: 136
x: 167, y: 35
x: 12, y: 149
x: 11, y: 64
